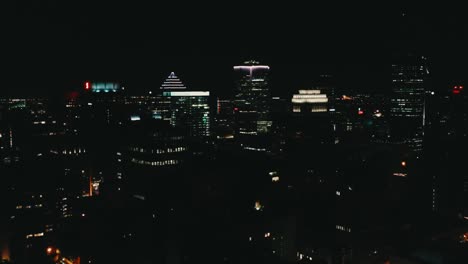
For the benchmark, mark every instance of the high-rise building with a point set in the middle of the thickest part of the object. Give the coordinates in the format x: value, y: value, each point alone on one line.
x: 182, y: 108
x: 190, y: 110
x: 309, y: 101
x: 224, y: 119
x: 310, y: 117
x: 407, y: 110
x: 163, y: 105
x: 252, y: 99
x: 446, y: 136
x: 252, y: 113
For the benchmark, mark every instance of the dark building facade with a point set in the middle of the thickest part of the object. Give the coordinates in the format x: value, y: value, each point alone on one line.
x: 407, y: 109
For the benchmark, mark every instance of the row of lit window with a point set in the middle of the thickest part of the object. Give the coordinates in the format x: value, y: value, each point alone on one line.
x: 255, y: 149
x: 18, y: 207
x: 343, y: 228
x: 156, y: 163
x: 159, y: 151
x: 35, y: 235
x: 43, y: 122
x: 301, y: 256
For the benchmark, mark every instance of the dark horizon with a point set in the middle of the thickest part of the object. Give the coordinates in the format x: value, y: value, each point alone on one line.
x: 141, y: 45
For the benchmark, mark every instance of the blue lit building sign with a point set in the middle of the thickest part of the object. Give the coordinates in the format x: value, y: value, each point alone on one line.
x: 105, y: 87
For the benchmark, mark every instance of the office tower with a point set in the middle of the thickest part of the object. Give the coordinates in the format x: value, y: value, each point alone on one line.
x: 279, y: 115
x: 190, y: 110
x: 446, y: 135
x: 162, y: 108
x: 409, y: 81
x: 251, y: 101
x: 104, y: 100
x: 309, y: 101
x: 310, y: 117
x: 152, y: 154
x: 224, y: 119
x: 252, y: 98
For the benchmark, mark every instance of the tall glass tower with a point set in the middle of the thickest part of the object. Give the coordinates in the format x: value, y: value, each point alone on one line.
x: 252, y: 99
x: 190, y: 110
x: 407, y: 106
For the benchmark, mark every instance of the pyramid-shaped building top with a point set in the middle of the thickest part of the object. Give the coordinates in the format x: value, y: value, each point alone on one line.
x: 172, y: 83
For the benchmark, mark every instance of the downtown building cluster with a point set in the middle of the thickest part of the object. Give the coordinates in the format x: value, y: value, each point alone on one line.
x: 179, y: 175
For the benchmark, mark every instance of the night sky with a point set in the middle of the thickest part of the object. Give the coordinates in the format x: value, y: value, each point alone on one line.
x: 53, y: 46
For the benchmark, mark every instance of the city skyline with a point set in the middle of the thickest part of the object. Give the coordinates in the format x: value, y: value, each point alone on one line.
x: 78, y: 45
x: 233, y: 133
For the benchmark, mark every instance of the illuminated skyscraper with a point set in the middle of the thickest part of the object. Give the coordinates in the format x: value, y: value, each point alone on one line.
x: 309, y: 101
x: 252, y: 98
x: 252, y: 105
x: 310, y: 120
x: 190, y: 110
x: 163, y: 103
x: 407, y: 110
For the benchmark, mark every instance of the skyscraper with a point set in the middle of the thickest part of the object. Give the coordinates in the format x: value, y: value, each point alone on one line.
x: 309, y: 101
x: 185, y: 109
x: 224, y: 119
x: 163, y: 105
x: 446, y: 136
x: 252, y: 105
x: 252, y: 98
x: 190, y: 110
x: 407, y: 106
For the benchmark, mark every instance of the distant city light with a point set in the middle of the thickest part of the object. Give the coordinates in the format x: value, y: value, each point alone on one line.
x: 49, y: 250
x: 258, y: 206
x: 309, y: 92
x: 135, y: 118
x: 191, y: 93
x: 457, y: 89
x: 253, y: 67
